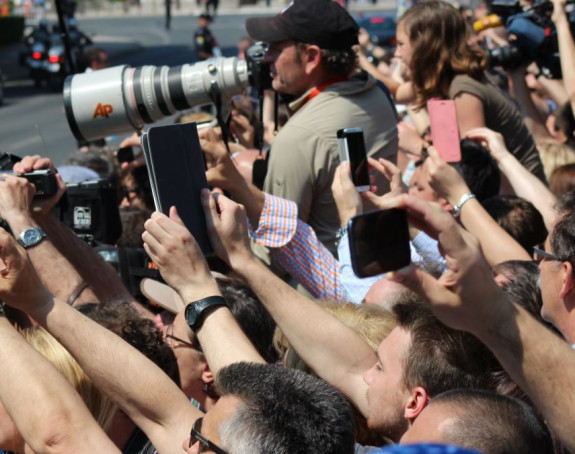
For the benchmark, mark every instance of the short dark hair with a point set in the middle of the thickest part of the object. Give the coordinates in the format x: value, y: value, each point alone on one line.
x: 523, y: 284
x: 122, y: 319
x: 478, y: 169
x: 253, y: 318
x: 563, y: 234
x: 563, y: 238
x: 564, y: 120
x: 565, y: 203
x: 441, y: 358
x: 519, y: 218
x: 493, y: 424
x: 283, y: 411
x: 337, y: 62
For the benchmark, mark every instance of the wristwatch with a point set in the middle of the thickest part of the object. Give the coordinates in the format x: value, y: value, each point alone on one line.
x: 30, y: 237
x: 196, y: 310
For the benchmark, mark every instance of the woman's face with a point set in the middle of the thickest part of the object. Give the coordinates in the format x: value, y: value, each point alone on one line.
x: 403, y: 50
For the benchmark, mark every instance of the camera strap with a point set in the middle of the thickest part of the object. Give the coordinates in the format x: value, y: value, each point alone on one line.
x: 216, y: 96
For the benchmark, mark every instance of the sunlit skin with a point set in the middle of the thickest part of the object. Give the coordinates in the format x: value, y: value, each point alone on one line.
x: 386, y: 395
x: 403, y: 50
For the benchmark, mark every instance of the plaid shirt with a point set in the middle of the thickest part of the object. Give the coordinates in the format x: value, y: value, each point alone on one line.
x: 294, y: 245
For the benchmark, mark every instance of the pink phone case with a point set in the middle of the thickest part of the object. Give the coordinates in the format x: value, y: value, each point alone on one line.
x: 444, y: 130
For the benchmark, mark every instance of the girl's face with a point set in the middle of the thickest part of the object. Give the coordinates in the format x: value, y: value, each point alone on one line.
x: 403, y: 50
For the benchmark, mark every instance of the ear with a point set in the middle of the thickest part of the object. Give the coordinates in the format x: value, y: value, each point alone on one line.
x: 207, y: 374
x: 568, y: 282
x: 311, y: 57
x: 418, y: 400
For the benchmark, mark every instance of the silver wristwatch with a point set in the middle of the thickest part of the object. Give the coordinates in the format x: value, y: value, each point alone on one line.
x: 30, y: 237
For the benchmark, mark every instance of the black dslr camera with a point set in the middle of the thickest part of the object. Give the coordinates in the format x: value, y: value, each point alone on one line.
x: 44, y: 180
x: 535, y: 36
x: 258, y: 69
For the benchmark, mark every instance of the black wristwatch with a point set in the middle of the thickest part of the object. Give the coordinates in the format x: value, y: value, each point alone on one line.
x: 196, y: 310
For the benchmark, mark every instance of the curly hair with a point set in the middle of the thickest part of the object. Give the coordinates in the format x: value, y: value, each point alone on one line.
x: 439, y: 35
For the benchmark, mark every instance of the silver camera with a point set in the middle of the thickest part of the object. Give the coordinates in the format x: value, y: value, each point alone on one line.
x: 119, y: 99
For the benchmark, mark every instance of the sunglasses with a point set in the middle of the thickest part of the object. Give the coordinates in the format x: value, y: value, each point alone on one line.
x: 541, y: 255
x: 169, y: 339
x: 195, y: 435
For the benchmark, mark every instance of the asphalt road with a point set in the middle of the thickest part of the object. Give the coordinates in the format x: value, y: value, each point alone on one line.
x: 33, y: 121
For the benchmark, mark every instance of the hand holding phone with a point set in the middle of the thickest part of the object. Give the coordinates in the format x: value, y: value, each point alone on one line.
x: 379, y: 242
x: 444, y: 129
x: 352, y: 149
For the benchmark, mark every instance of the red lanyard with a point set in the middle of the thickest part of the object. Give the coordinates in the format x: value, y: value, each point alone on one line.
x: 317, y: 90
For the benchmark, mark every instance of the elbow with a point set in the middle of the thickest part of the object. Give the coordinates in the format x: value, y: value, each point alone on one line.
x: 58, y: 435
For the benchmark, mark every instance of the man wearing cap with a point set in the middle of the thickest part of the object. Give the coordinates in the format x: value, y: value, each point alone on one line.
x: 313, y: 63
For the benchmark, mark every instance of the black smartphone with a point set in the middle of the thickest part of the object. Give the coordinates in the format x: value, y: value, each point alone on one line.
x: 352, y: 149
x: 379, y: 242
x: 125, y: 154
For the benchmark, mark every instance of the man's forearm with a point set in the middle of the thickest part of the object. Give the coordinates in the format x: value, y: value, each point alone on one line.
x: 251, y: 198
x: 528, y: 186
x: 541, y: 363
x: 103, y: 280
x: 122, y: 373
x: 56, y: 272
x: 331, y: 349
x: 52, y: 417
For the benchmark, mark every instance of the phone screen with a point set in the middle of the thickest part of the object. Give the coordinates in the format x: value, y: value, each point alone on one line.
x: 352, y: 149
x: 379, y: 242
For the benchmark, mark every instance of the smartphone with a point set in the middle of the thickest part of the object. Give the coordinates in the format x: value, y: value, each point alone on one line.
x: 444, y: 129
x: 379, y: 242
x: 125, y: 154
x: 352, y: 149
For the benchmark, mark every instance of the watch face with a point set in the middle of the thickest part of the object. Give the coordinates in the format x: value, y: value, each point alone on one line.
x: 32, y: 236
x: 191, y: 315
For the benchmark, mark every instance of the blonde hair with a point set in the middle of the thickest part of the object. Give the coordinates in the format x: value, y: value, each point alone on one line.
x: 554, y: 155
x: 102, y: 408
x: 373, y: 324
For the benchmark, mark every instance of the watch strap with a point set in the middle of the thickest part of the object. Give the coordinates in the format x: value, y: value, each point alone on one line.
x: 196, y: 310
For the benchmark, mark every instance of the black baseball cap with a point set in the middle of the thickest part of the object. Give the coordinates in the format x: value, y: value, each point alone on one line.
x: 321, y: 22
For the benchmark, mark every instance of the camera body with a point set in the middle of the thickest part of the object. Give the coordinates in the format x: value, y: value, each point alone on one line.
x: 92, y: 211
x: 535, y: 37
x: 44, y: 180
x: 258, y: 69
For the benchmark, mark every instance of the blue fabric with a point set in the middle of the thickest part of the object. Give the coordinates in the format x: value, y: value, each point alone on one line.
x: 424, y: 448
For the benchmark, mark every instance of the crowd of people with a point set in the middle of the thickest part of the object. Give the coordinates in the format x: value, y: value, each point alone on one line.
x: 273, y: 344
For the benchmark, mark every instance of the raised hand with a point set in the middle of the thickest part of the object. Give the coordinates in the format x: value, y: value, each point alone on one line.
x: 227, y: 227
x: 174, y: 250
